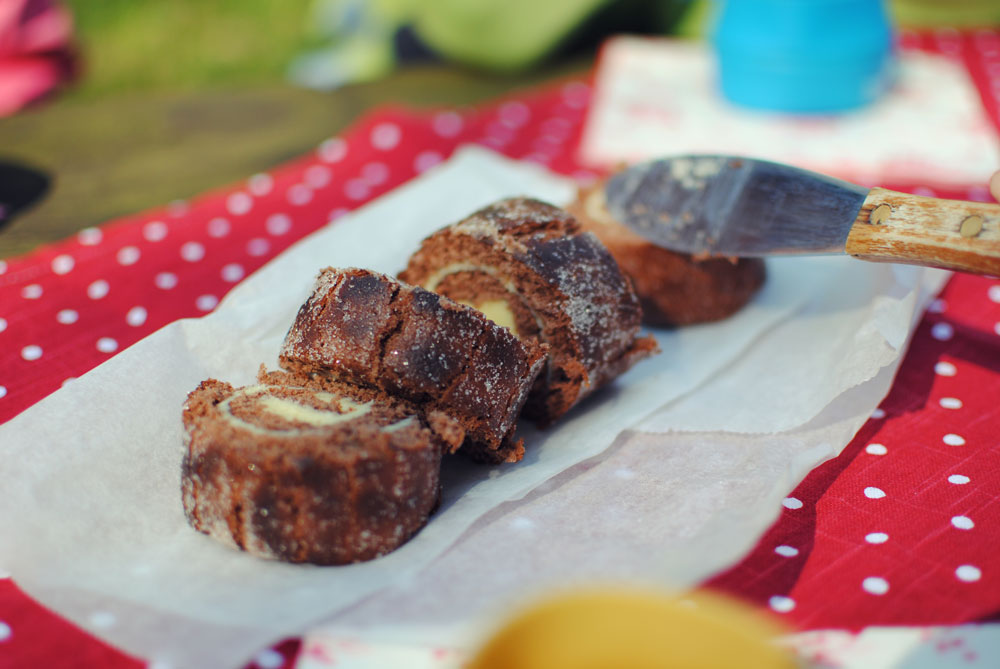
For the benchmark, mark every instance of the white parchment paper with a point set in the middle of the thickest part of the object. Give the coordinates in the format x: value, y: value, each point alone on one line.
x: 668, y: 475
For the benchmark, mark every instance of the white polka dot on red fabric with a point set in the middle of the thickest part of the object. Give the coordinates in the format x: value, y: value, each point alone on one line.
x: 239, y: 203
x: 942, y: 331
x: 514, y: 113
x: 67, y: 316
x: 260, y: 184
x: 136, y: 316
x: 128, y: 255
x: 792, y: 503
x: 876, y: 449
x: 107, y: 345
x: 90, y: 236
x: 299, y: 195
x: 3, y: 393
x: 994, y: 293
x: 426, y: 160
x: 98, y: 289
x: 962, y: 522
x: 500, y: 133
x: 786, y: 551
x: 958, y: 479
x: 950, y: 403
x: 232, y: 272
x: 871, y: 492
x: 63, y: 264
x: 278, y: 224
x: 3, y: 266
x: 924, y: 191
x: 493, y: 142
x: 875, y: 585
x: 876, y: 537
x: 192, y: 251
x: 337, y: 213
x: 781, y: 603
x: 5, y: 631
x: 448, y: 124
x: 206, y: 302
x: 258, y: 246
x: 937, y: 306
x: 154, y: 231
x: 219, y: 227
x: 269, y: 659
x: 3, y: 324
x: 31, y: 352
x: 356, y: 189
x: 332, y: 150
x: 165, y: 280
x: 996, y: 327
x: 32, y: 291
x: 375, y: 174
x: 953, y: 439
x: 945, y: 369
x: 386, y: 136
x: 878, y: 414
x: 576, y: 95
x: 968, y: 573
x: 318, y: 176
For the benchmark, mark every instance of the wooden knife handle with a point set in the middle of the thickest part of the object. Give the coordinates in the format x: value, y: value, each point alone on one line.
x: 915, y: 230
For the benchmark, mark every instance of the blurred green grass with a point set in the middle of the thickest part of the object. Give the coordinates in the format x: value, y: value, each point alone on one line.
x: 186, y: 44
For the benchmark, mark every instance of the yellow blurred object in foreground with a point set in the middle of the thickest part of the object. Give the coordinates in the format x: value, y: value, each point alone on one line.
x: 601, y: 629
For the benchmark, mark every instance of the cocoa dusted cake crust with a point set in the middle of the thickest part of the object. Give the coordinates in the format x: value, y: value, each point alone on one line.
x: 412, y: 344
x: 675, y: 288
x: 326, y: 476
x: 529, y: 266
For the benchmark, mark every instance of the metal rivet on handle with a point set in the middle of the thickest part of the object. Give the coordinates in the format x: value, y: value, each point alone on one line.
x: 879, y: 214
x: 971, y: 226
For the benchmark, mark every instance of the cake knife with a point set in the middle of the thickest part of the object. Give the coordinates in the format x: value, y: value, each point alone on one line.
x: 710, y: 205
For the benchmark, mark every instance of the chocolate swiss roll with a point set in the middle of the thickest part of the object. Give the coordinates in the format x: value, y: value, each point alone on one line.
x: 369, y: 329
x: 529, y: 266
x: 674, y: 288
x: 307, y: 475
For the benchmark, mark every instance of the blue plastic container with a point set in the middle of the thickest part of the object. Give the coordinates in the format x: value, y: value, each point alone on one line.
x: 804, y: 56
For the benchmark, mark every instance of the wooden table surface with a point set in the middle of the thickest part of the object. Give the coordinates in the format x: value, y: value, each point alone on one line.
x: 122, y: 154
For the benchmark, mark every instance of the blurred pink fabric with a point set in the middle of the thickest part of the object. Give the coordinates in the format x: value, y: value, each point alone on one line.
x: 36, y: 52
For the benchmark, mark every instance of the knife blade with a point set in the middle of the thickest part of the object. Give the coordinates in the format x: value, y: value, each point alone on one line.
x: 713, y: 205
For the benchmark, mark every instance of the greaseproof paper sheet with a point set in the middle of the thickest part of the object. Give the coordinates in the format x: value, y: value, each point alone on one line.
x: 667, y: 475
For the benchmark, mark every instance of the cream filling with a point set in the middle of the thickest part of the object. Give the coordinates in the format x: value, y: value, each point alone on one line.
x: 301, y: 413
x: 342, y: 409
x: 596, y: 207
x: 496, y: 310
x: 499, y: 312
x: 400, y: 424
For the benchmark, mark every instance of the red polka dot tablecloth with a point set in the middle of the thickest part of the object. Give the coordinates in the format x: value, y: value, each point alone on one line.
x: 901, y: 529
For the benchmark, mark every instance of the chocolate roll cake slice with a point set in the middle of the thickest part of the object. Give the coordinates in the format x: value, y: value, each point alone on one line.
x: 369, y: 329
x: 306, y: 475
x: 529, y: 266
x: 674, y: 288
